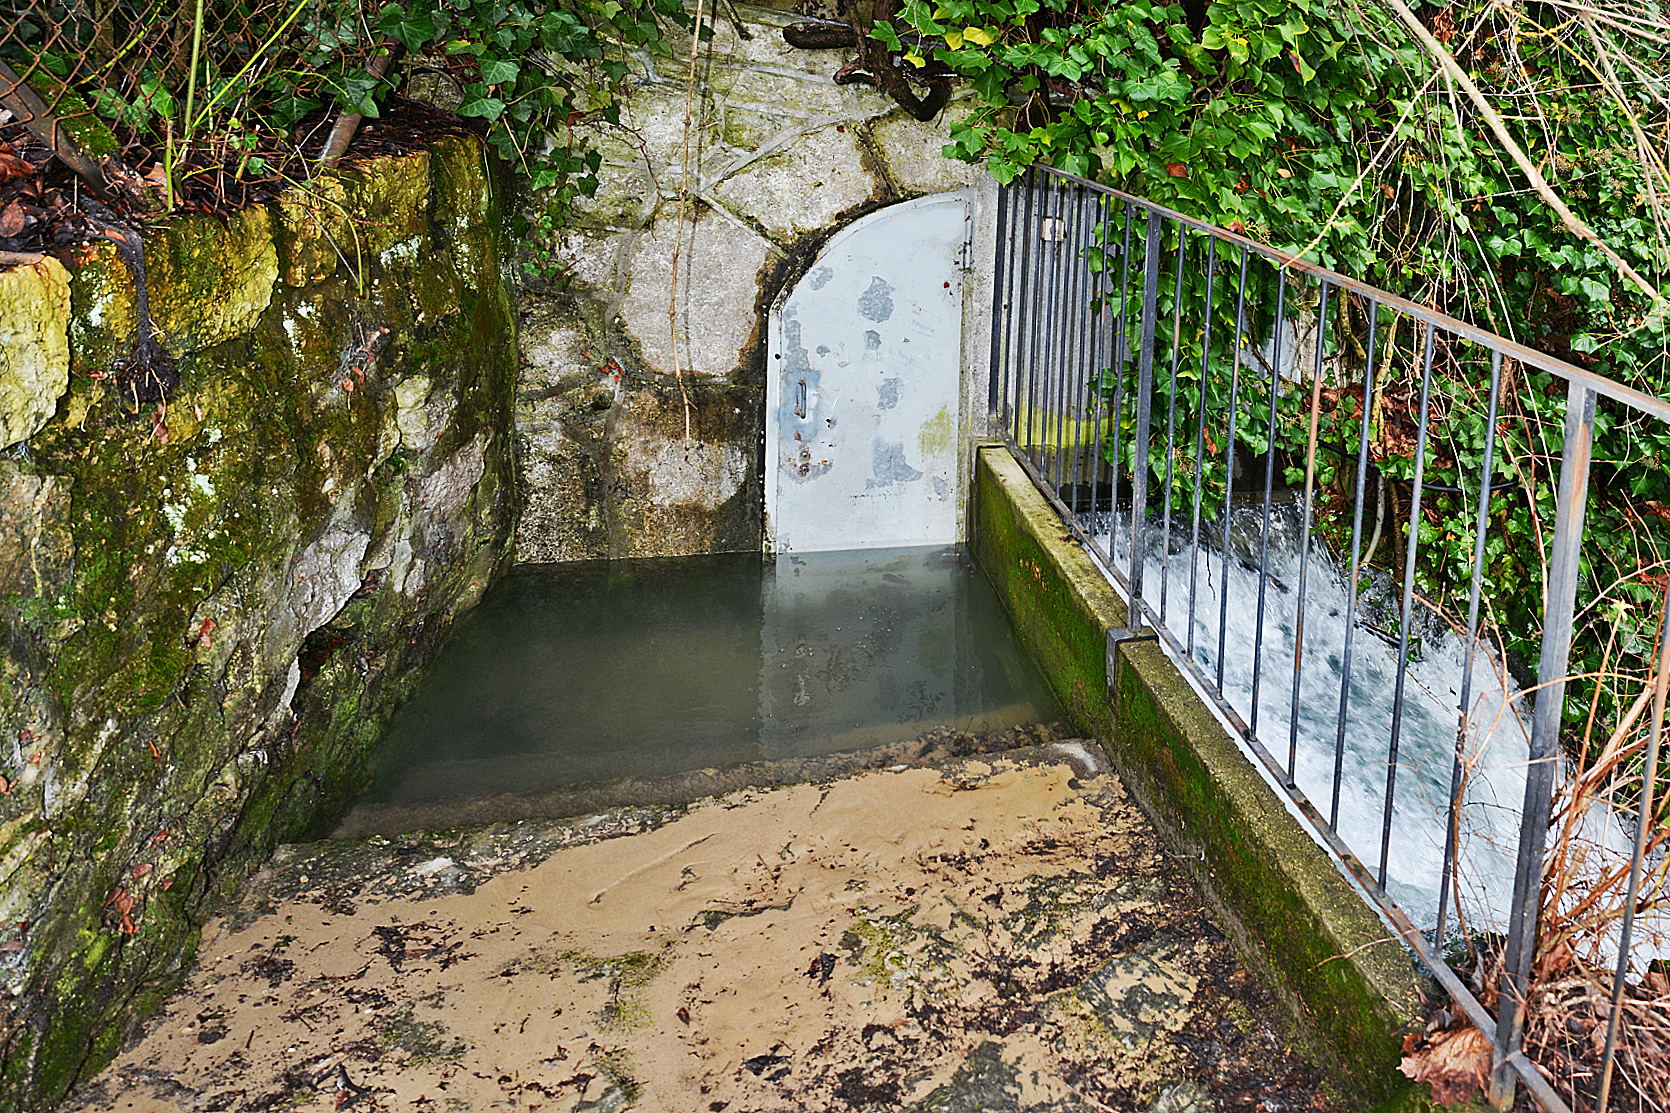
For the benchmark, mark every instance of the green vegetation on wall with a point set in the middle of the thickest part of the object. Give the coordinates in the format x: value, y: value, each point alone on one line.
x: 1327, y: 130
x: 224, y: 597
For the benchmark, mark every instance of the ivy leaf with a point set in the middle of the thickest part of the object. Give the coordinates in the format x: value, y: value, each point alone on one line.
x: 412, y: 30
x: 498, y: 71
x: 477, y: 102
x: 887, y: 36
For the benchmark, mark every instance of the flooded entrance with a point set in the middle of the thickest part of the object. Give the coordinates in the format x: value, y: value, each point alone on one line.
x: 574, y: 688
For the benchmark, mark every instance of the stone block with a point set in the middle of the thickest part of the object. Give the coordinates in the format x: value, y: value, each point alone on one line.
x: 388, y: 199
x: 101, y: 307
x: 210, y: 280
x: 806, y: 188
x: 606, y: 469
x: 912, y: 151
x: 718, y: 284
x: 36, y: 549
x: 34, y: 346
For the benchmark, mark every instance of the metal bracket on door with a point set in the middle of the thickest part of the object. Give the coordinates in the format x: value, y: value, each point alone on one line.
x: 968, y: 237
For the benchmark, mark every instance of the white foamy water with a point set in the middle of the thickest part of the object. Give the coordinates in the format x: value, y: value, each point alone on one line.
x: 1497, y: 730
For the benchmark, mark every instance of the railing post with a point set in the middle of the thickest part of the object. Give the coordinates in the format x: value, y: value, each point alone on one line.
x: 996, y: 386
x: 1560, y: 602
x: 1144, y: 414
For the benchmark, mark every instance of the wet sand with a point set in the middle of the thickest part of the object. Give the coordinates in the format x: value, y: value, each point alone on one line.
x: 988, y: 933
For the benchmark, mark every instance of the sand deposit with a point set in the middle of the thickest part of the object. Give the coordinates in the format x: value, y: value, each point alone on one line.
x: 999, y: 932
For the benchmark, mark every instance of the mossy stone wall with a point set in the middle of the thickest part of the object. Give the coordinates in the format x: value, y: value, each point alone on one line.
x: 209, y: 608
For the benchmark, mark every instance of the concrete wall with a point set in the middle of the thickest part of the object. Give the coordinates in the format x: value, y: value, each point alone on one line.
x: 780, y: 157
x: 1288, y: 908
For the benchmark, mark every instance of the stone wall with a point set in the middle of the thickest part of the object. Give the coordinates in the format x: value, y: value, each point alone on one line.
x: 780, y: 157
x: 209, y: 608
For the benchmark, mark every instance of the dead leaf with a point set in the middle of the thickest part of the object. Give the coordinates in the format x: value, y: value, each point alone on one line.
x: 12, y: 219
x: 11, y: 166
x: 1177, y: 170
x: 1455, y: 1062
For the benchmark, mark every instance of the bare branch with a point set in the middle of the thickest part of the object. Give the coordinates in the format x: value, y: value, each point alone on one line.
x: 1500, y: 129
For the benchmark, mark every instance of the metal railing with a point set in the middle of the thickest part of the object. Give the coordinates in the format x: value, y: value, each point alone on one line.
x: 1151, y: 372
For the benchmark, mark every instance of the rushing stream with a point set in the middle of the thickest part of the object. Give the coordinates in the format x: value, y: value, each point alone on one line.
x: 1498, y: 721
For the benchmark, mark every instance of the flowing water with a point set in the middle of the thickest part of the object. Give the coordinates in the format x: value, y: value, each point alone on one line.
x: 1221, y: 577
x: 643, y: 670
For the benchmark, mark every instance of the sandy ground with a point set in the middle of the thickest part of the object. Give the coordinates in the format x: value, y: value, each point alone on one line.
x: 992, y: 933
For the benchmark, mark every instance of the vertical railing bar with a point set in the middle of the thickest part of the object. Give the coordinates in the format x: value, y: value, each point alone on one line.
x: 1643, y: 824
x: 1069, y: 399
x: 1104, y: 213
x: 1200, y: 438
x: 1171, y: 418
x: 1015, y: 287
x: 1269, y: 483
x: 996, y: 369
x: 1229, y: 462
x: 1034, y: 370
x: 1121, y: 347
x: 1564, y: 566
x: 1304, y: 532
x: 1062, y: 314
x: 1086, y: 351
x: 1031, y: 271
x: 1452, y: 834
x: 1081, y: 305
x: 1356, y: 555
x: 1407, y: 614
x: 1144, y: 417
x: 1020, y: 352
x: 1054, y: 351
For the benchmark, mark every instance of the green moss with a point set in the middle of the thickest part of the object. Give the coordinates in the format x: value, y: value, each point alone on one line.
x: 163, y: 659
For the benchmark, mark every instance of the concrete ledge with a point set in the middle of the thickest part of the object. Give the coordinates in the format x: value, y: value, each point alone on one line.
x: 1285, y: 904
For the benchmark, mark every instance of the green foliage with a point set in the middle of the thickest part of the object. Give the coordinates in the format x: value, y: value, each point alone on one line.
x: 250, y: 98
x: 1319, y: 128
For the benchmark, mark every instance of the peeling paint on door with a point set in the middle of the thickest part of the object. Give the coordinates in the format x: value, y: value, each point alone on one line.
x: 862, y: 398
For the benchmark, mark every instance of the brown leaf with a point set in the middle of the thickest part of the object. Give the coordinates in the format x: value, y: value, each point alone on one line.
x: 11, y: 219
x: 1455, y: 1062
x: 1177, y: 170
x: 11, y: 166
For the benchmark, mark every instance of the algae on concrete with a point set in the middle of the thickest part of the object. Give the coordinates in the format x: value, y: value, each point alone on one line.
x: 34, y: 346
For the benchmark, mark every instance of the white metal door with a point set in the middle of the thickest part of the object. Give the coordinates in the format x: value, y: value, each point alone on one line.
x: 862, y: 394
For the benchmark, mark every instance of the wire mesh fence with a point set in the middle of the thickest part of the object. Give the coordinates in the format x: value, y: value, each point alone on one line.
x: 1359, y: 525
x: 185, y: 89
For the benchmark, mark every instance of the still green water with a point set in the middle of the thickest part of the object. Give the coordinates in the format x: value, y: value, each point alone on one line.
x: 588, y: 674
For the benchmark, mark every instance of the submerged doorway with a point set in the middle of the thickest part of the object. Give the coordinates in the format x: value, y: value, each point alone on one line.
x: 862, y: 395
